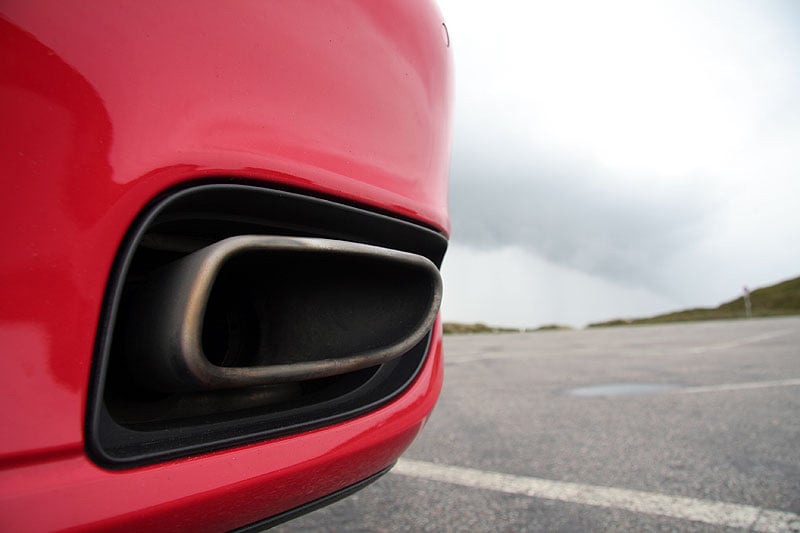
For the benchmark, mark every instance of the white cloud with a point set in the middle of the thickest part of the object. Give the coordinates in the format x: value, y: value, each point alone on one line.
x: 650, y: 147
x: 514, y: 287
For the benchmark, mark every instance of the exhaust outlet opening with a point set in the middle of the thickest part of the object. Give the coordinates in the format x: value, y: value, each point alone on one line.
x: 259, y: 310
x: 332, y: 323
x: 234, y: 326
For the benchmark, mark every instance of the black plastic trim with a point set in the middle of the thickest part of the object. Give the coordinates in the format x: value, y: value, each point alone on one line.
x: 113, y: 444
x: 291, y: 514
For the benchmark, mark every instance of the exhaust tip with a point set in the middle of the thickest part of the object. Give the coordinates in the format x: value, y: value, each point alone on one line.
x: 265, y: 307
x: 257, y: 310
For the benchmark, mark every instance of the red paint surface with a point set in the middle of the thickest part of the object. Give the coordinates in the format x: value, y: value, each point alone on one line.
x: 105, y: 105
x: 222, y: 490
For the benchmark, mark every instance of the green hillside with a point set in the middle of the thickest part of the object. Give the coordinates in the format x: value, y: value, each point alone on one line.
x: 776, y: 300
x: 456, y: 328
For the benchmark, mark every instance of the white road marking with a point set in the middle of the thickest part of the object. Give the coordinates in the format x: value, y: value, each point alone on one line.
x: 741, y: 342
x: 738, y: 386
x: 705, y: 511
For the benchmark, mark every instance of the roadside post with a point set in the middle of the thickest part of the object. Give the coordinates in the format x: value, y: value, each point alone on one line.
x: 748, y: 308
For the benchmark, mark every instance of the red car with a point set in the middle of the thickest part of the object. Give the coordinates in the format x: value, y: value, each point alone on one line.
x: 222, y: 224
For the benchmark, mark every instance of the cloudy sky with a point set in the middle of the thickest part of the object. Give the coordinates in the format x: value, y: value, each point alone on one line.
x: 620, y: 158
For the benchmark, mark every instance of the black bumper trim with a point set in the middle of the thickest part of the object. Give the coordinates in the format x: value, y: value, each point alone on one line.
x: 291, y: 514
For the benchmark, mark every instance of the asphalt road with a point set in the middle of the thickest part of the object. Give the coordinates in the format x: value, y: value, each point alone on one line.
x: 664, y: 428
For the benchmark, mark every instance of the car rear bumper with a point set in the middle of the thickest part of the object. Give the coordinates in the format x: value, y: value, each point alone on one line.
x: 110, y: 106
x: 221, y: 490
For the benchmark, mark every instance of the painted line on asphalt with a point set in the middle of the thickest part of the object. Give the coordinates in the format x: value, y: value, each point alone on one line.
x: 705, y: 511
x: 738, y: 386
x: 741, y: 342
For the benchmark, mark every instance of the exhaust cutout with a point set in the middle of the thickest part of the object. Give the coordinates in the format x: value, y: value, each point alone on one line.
x: 255, y: 310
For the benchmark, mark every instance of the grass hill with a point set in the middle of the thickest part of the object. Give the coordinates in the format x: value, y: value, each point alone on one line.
x: 459, y: 328
x: 455, y: 328
x: 776, y: 300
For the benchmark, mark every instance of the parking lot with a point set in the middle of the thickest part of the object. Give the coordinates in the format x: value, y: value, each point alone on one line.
x: 691, y: 427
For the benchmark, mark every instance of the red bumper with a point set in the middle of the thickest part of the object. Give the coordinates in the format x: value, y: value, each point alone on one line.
x: 106, y: 106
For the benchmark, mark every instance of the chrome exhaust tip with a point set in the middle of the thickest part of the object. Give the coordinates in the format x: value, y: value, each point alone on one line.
x: 258, y: 310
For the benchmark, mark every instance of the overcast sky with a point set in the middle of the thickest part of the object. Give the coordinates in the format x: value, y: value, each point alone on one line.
x: 620, y: 158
